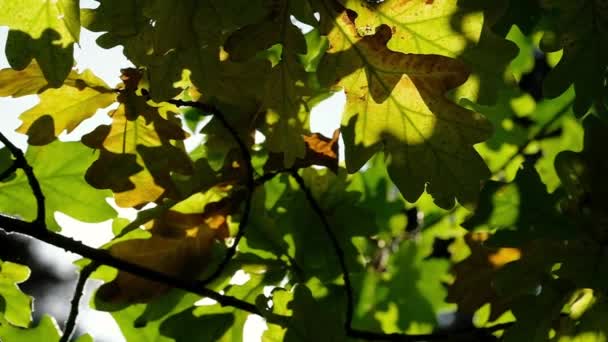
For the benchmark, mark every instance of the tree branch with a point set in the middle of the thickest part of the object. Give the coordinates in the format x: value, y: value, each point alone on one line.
x: 35, y: 230
x: 21, y: 163
x: 78, y: 292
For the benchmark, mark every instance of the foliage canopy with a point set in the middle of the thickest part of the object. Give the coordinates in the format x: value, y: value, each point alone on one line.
x: 472, y: 184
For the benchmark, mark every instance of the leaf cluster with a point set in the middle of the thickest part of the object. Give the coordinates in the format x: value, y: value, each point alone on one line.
x: 471, y: 187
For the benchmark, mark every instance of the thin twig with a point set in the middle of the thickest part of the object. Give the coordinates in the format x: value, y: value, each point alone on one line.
x: 336, y: 245
x: 269, y: 176
x: 31, y: 178
x: 249, y: 182
x: 70, y: 324
x: 34, y: 229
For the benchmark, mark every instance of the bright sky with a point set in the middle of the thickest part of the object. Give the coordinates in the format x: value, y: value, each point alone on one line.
x: 107, y: 64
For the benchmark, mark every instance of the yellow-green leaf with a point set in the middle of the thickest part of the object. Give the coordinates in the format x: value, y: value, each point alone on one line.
x: 42, y: 29
x: 453, y: 28
x: 16, y: 306
x: 59, y: 109
x: 138, y: 143
x: 396, y: 102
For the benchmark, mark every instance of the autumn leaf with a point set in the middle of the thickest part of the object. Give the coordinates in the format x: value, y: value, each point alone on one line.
x: 444, y: 27
x: 59, y: 109
x: 320, y: 150
x: 142, y: 130
x: 179, y: 244
x: 396, y: 102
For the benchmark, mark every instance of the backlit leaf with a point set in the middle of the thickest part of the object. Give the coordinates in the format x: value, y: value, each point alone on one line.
x: 179, y: 244
x: 15, y: 306
x: 46, y: 330
x: 396, y: 103
x: 44, y: 30
x: 60, y: 169
x: 444, y: 27
x: 140, y: 132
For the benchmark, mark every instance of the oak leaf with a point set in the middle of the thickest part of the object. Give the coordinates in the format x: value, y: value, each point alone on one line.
x: 396, y: 102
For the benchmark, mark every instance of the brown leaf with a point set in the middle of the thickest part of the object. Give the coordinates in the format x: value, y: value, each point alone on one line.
x: 179, y: 246
x: 320, y: 150
x: 143, y: 130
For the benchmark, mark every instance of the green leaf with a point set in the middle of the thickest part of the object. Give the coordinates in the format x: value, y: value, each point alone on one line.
x: 582, y: 174
x: 16, y: 306
x: 46, y: 330
x: 85, y: 338
x: 535, y: 313
x: 591, y: 326
x: 206, y: 326
x: 142, y: 322
x: 59, y: 168
x: 326, y: 325
x: 44, y: 30
x: 59, y: 109
x: 173, y: 39
x: 580, y: 29
x: 408, y: 294
x: 395, y: 102
x: 286, y: 92
x: 302, y: 229
x: 377, y: 195
x: 519, y: 211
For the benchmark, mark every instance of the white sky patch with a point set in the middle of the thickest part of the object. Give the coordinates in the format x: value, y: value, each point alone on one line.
x: 205, y: 302
x: 254, y: 328
x: 105, y: 63
x: 305, y: 28
x: 240, y: 278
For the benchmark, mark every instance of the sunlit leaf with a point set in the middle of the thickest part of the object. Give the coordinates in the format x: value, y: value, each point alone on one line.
x: 46, y: 330
x: 60, y: 169
x: 396, y: 103
x: 44, y: 30
x: 139, y: 133
x: 444, y: 27
x: 179, y: 244
x: 15, y: 306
